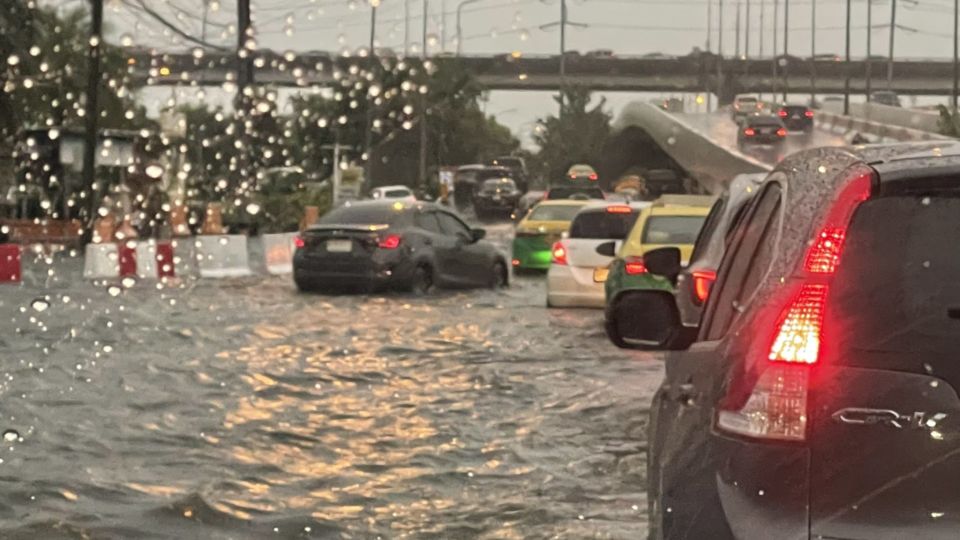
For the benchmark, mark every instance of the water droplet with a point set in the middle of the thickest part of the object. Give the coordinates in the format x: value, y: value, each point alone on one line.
x: 223, y: 240
x: 113, y: 290
x: 926, y: 264
x: 11, y: 436
x: 925, y: 201
x: 253, y: 209
x: 40, y: 304
x: 13, y: 59
x: 128, y: 282
x: 126, y: 40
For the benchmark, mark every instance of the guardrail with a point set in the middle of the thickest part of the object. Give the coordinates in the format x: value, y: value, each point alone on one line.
x: 875, y: 132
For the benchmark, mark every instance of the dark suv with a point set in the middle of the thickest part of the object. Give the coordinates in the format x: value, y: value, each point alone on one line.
x: 820, y: 400
x: 796, y: 117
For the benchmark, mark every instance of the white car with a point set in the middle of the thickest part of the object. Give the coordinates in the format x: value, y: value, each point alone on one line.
x: 398, y: 193
x: 577, y: 272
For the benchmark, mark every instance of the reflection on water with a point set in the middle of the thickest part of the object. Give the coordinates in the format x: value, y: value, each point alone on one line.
x: 244, y: 410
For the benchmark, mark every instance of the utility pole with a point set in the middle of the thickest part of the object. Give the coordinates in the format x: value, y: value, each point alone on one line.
x: 736, y: 46
x: 893, y: 31
x: 244, y: 81
x: 763, y: 14
x: 746, y: 40
x: 423, y: 101
x: 563, y: 53
x: 406, y: 29
x: 92, y: 113
x: 813, y: 53
x: 460, y: 7
x: 707, y: 48
x: 846, y: 83
x: 368, y: 135
x: 869, y: 74
x: 443, y: 25
x: 776, y: 47
x: 956, y: 55
x: 786, y: 49
x: 719, y: 53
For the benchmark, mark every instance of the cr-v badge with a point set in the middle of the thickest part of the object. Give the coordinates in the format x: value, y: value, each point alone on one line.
x: 886, y: 417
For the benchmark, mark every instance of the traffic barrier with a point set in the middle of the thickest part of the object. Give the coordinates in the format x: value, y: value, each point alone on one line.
x: 10, y: 264
x: 220, y: 256
x: 101, y: 261
x: 278, y: 252
x: 154, y: 260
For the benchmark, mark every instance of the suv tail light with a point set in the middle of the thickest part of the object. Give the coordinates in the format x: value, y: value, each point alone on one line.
x: 634, y: 266
x: 808, y: 114
x: 775, y: 407
x: 782, y: 132
x: 559, y: 254
x: 391, y: 241
x: 749, y: 132
x: 782, y: 113
x: 702, y: 282
x: 298, y: 242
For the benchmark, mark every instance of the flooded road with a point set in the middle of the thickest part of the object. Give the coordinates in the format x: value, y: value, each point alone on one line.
x: 241, y: 409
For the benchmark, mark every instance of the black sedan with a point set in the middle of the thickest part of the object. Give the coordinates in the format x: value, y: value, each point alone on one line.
x: 496, y: 196
x: 373, y: 245
x: 796, y: 117
x: 761, y: 129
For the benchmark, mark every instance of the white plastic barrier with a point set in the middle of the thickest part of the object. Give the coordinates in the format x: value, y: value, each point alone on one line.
x: 101, y: 261
x: 220, y: 256
x: 278, y: 252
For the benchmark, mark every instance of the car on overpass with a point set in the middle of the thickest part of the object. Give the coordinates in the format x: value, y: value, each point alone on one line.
x: 886, y: 97
x: 796, y: 117
x: 745, y: 105
x: 820, y: 398
x: 761, y: 129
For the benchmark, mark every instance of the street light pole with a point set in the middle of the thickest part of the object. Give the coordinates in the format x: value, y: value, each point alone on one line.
x: 813, y: 52
x: 846, y: 83
x: 406, y: 28
x: 893, y: 29
x: 736, y: 32
x: 423, y: 101
x: 869, y: 74
x: 786, y: 49
x: 92, y: 111
x: 746, y: 39
x: 368, y: 136
x: 775, y: 48
x: 460, y: 24
x: 709, y: 32
x: 956, y: 55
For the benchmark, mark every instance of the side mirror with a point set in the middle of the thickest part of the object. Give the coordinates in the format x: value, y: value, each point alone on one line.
x: 478, y: 234
x: 664, y: 262
x: 607, y: 249
x: 647, y: 320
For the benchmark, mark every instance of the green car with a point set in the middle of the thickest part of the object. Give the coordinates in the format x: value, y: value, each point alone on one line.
x: 674, y: 221
x: 536, y: 233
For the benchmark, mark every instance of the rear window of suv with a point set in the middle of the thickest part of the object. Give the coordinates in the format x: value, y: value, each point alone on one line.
x: 895, y: 299
x: 600, y: 224
x: 672, y: 229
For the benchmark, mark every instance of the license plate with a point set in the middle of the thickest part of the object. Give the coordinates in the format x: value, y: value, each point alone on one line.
x: 496, y: 197
x: 600, y: 274
x: 796, y: 117
x: 339, y: 246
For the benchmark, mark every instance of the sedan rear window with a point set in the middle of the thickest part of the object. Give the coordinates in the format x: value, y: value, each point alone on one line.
x: 672, y: 229
x: 554, y: 213
x: 604, y: 225
x: 397, y: 193
x: 376, y: 214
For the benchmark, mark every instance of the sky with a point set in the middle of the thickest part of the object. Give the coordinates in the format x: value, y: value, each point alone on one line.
x: 627, y: 27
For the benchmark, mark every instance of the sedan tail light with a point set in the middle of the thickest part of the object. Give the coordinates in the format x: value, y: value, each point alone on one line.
x: 634, y: 266
x: 782, y: 132
x: 559, y: 254
x: 749, y: 132
x: 808, y: 114
x: 702, y: 282
x: 782, y: 113
x: 299, y: 242
x: 391, y: 241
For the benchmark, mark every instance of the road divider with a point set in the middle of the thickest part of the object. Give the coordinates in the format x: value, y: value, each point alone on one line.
x: 278, y: 252
x: 221, y: 256
x: 101, y: 261
x: 10, y: 263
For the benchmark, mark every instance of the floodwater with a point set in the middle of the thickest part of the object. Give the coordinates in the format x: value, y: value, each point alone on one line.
x: 242, y: 409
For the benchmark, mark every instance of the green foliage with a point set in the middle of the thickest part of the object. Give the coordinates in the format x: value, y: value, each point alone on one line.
x: 578, y: 135
x: 949, y: 122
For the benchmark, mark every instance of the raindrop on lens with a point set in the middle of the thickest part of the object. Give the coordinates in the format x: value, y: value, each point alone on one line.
x: 11, y: 436
x: 253, y: 209
x: 113, y: 290
x: 40, y: 305
x: 128, y: 282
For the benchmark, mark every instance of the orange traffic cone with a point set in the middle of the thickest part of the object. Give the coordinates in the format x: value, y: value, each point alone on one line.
x: 104, y: 228
x: 213, y: 222
x: 310, y: 216
x: 178, y: 221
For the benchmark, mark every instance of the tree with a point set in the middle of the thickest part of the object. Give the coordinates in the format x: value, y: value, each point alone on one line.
x: 578, y: 135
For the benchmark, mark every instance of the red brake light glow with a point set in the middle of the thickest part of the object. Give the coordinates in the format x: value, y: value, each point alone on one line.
x: 619, y: 209
x: 391, y: 241
x: 808, y: 114
x: 634, y: 266
x: 782, y: 132
x: 702, y: 282
x: 798, y: 334
x: 594, y: 176
x: 298, y: 242
x: 559, y: 254
x: 749, y: 132
x: 782, y: 113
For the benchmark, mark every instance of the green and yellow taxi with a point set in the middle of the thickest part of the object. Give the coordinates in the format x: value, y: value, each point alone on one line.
x: 672, y: 221
x: 536, y: 233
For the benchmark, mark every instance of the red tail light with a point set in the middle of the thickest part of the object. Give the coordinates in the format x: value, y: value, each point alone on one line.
x: 559, y: 253
x: 634, y: 266
x: 702, y: 282
x: 298, y: 242
x: 776, y: 404
x: 391, y: 241
x: 782, y: 132
x: 808, y: 114
x: 782, y: 113
x: 749, y: 132
x: 515, y: 262
x: 619, y: 209
x: 594, y: 176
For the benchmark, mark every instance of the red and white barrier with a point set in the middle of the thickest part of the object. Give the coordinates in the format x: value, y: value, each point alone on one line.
x: 146, y: 259
x: 278, y: 252
x: 10, y: 264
